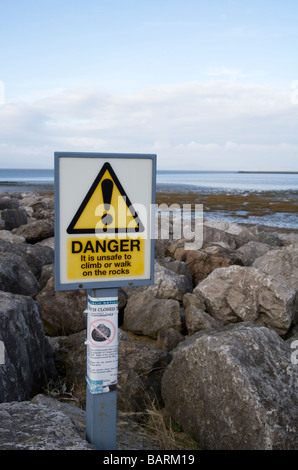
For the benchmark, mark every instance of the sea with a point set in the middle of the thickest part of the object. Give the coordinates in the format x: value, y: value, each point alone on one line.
x: 284, y: 185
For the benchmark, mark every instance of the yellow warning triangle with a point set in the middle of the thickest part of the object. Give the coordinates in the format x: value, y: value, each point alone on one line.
x: 106, y: 208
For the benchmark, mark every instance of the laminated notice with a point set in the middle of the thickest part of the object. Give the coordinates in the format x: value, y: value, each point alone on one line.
x: 102, y: 344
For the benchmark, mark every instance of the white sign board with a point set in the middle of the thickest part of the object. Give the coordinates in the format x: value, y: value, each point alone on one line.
x: 104, y: 217
x: 102, y: 344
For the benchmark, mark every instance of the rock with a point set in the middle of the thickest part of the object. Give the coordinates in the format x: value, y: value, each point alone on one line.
x: 47, y: 242
x: 7, y: 202
x: 34, y: 255
x: 194, y: 300
x: 6, y: 235
x: 213, y: 236
x: 229, y: 227
x: 168, y: 339
x: 282, y: 265
x: 34, y: 426
x: 168, y: 284
x: 130, y: 436
x: 140, y: 369
x: 47, y: 271
x: 29, y: 361
x: 239, y: 293
x: 202, y: 263
x: 160, y: 248
x: 16, y: 276
x: 122, y: 299
x: 71, y: 423
x: 288, y: 239
x: 177, y: 266
x: 252, y: 250
x: 36, y: 230
x: 146, y: 316
x: 235, y: 389
x: 258, y: 233
x: 70, y: 360
x: 196, y: 320
x: 12, y: 218
x: 171, y: 284
x: 62, y: 311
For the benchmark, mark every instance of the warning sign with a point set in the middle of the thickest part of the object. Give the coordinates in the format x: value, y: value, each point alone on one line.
x: 103, y: 220
x: 106, y: 208
x: 102, y: 344
x: 96, y: 258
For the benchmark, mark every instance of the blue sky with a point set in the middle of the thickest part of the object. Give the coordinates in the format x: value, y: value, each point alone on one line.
x: 204, y: 85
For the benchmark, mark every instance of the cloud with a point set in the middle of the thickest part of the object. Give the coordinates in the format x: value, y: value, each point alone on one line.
x: 202, y: 125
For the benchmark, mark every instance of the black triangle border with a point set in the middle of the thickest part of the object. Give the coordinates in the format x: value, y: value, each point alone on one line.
x: 71, y: 230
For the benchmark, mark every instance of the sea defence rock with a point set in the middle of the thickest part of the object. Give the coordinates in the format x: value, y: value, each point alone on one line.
x: 242, y: 274
x: 16, y: 276
x: 44, y: 423
x: 282, y: 265
x: 172, y: 280
x: 36, y: 256
x: 140, y: 371
x: 239, y: 293
x: 140, y: 368
x: 36, y: 230
x: 235, y: 389
x: 62, y: 312
x: 12, y: 218
x: 146, y: 316
x: 35, y: 426
x: 29, y: 360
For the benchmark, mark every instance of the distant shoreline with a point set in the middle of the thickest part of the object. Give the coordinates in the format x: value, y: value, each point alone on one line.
x: 270, y: 172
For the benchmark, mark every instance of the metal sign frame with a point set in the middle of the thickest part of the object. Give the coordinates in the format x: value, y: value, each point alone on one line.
x: 101, y: 283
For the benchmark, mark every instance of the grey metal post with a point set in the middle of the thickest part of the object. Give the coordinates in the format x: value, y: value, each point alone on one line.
x: 101, y: 408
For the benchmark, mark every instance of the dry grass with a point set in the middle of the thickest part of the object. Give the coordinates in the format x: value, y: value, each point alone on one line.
x: 167, y: 433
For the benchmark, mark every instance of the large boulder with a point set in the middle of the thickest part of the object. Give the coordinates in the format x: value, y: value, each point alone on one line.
x: 12, y: 218
x: 35, y: 426
x: 70, y: 360
x: 202, y: 263
x: 196, y: 318
x: 146, y: 316
x: 234, y: 389
x: 29, y: 362
x: 239, y: 293
x: 171, y: 281
x: 140, y: 370
x: 282, y: 265
x: 215, y: 236
x: 16, y: 276
x: 34, y: 255
x: 253, y: 250
x: 62, y: 312
x: 36, y: 230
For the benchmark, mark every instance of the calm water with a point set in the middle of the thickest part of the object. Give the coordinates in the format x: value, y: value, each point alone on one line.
x: 228, y: 181
x: 199, y: 180
x: 282, y: 184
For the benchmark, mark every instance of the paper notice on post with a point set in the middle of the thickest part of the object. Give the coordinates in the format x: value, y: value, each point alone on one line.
x: 102, y: 344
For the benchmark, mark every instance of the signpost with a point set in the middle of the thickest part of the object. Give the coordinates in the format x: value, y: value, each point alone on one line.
x: 104, y: 239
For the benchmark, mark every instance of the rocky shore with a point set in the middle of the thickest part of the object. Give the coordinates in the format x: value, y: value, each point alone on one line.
x: 212, y: 344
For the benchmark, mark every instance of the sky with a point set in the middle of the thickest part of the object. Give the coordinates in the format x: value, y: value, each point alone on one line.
x: 204, y: 85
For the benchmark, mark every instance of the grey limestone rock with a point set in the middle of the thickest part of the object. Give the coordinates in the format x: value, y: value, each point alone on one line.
x: 235, y: 389
x: 29, y: 361
x: 240, y: 293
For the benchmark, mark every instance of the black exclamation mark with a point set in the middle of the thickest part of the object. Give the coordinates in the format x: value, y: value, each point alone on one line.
x: 107, y: 190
